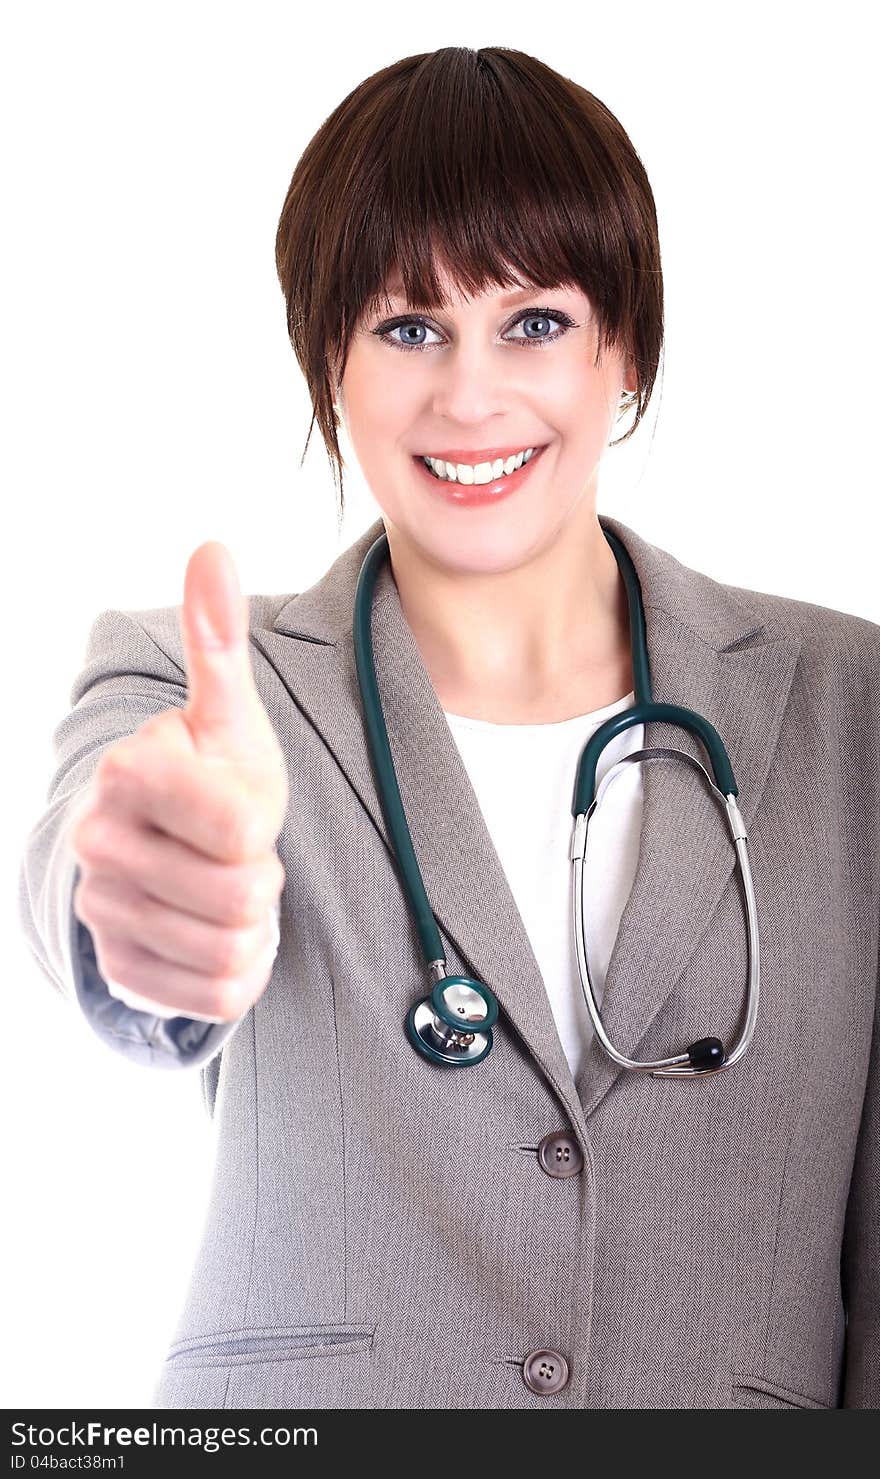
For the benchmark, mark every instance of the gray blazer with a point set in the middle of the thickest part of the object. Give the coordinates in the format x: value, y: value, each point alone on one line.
x: 386, y: 1232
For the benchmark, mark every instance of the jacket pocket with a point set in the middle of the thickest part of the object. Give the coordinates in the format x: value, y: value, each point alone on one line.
x: 273, y: 1343
x: 755, y: 1391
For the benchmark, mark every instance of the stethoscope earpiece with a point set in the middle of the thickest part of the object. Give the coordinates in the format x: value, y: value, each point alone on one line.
x: 454, y: 1024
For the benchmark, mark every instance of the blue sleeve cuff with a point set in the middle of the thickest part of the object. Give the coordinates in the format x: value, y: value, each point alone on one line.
x: 152, y: 1041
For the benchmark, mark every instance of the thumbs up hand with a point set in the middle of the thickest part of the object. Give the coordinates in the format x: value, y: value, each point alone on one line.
x: 176, y: 838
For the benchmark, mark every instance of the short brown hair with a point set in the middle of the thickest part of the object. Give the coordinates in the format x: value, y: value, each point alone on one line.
x: 474, y: 160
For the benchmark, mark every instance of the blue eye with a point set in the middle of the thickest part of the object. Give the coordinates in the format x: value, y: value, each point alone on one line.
x: 408, y: 324
x: 527, y: 316
x: 533, y: 316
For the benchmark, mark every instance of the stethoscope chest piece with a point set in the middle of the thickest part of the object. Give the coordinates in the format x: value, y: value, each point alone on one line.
x: 454, y: 1024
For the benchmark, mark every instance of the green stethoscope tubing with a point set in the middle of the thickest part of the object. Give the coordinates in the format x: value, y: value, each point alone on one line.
x: 453, y: 1026
x: 644, y: 708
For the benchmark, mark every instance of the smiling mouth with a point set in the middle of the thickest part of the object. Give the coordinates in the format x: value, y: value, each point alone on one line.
x: 481, y: 473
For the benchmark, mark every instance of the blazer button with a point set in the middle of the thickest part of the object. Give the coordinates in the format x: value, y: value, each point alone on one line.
x: 545, y: 1372
x: 560, y: 1155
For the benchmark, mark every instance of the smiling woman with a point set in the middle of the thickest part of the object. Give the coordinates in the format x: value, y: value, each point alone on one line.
x: 469, y: 256
x: 493, y: 166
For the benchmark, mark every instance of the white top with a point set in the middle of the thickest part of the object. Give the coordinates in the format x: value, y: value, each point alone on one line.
x: 523, y: 776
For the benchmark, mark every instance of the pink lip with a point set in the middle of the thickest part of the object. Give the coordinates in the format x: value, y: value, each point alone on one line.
x: 476, y: 494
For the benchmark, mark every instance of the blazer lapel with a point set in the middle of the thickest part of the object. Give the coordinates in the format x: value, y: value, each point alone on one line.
x: 695, y: 628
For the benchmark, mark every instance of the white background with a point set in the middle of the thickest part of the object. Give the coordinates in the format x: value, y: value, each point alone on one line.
x: 152, y: 402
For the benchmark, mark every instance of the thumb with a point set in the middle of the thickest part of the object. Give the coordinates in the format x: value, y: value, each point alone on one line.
x: 214, y: 632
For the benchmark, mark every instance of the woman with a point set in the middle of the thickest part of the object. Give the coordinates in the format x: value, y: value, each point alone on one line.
x: 469, y: 255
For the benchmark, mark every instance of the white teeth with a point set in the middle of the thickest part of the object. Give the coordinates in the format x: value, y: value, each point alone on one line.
x: 483, y: 472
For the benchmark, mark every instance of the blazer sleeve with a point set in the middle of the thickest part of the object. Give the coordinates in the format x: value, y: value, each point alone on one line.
x: 860, y: 1261
x: 126, y: 678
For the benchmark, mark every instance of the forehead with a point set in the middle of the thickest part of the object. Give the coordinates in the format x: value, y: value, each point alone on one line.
x: 505, y: 299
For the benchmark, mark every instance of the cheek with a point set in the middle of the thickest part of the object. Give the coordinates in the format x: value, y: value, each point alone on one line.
x: 584, y: 402
x: 575, y: 386
x: 380, y: 410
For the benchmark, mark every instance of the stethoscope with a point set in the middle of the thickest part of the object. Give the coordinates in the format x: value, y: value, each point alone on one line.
x: 453, y: 1025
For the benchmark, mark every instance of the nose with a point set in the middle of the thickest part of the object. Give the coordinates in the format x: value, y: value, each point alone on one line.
x: 473, y: 383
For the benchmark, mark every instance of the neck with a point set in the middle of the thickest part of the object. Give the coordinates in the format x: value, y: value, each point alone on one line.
x: 545, y: 641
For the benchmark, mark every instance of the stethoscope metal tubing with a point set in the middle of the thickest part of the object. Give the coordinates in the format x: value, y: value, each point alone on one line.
x: 678, y: 1066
